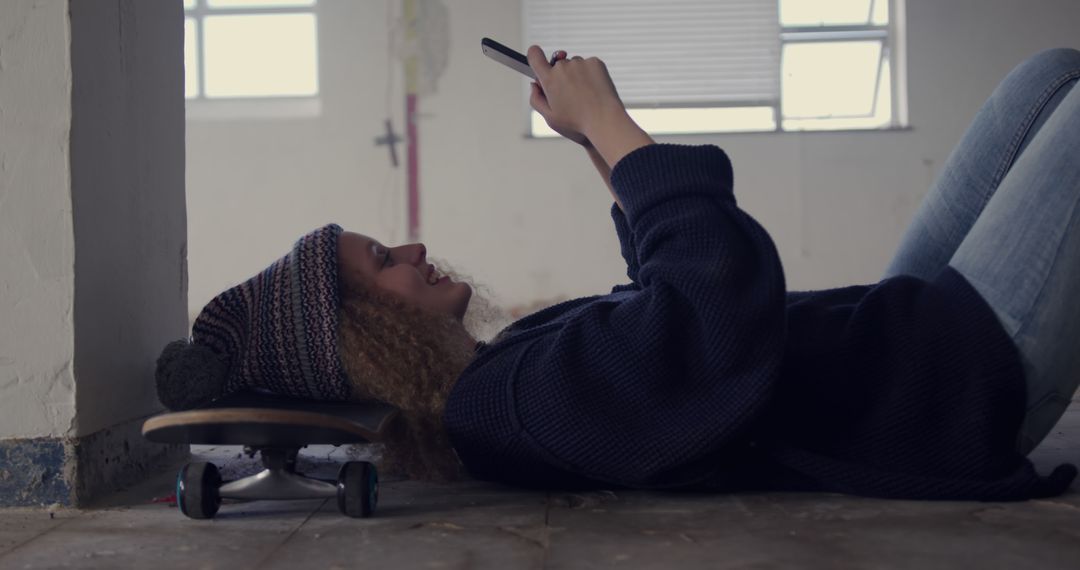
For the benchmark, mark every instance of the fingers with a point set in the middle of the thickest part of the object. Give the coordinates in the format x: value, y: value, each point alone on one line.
x: 538, y: 100
x: 561, y: 55
x: 539, y: 63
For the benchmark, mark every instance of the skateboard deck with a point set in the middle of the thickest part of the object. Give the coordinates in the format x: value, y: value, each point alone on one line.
x: 261, y: 420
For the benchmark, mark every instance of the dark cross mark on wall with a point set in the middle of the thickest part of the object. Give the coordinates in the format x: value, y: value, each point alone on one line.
x: 390, y: 139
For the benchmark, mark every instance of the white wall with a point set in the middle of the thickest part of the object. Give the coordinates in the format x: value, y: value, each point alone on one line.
x: 37, y: 387
x: 530, y: 217
x: 92, y: 213
x: 127, y: 187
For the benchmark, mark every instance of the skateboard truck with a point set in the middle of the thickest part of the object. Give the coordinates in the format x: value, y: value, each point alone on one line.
x: 200, y: 489
x: 275, y: 429
x: 279, y: 480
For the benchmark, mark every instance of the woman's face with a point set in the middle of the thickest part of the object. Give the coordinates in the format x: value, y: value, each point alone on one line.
x: 402, y: 271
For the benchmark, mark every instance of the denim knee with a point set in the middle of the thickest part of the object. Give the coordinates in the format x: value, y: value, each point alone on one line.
x: 1044, y: 71
x: 1019, y: 105
x: 1062, y: 58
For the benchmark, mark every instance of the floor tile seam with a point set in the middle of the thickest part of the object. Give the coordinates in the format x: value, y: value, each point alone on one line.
x: 262, y: 562
x: 7, y: 552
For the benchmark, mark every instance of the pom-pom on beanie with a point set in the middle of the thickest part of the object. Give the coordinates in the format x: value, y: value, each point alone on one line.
x: 275, y: 332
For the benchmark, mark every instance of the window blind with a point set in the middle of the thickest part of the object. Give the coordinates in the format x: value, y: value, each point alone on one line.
x: 678, y: 53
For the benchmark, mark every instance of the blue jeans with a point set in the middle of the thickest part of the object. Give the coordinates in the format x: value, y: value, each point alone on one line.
x: 1005, y: 213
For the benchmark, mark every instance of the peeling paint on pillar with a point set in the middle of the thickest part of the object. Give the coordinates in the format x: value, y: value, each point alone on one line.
x: 32, y: 472
x: 76, y: 471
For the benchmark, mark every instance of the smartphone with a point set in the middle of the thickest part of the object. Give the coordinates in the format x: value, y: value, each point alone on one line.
x: 508, y: 57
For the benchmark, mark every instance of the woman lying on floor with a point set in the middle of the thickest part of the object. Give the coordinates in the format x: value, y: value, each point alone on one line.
x: 704, y: 372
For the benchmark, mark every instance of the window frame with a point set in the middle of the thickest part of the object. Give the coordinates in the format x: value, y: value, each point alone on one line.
x: 891, y: 36
x: 264, y: 106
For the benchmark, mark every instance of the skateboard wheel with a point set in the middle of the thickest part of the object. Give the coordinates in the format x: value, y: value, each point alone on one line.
x: 197, y: 490
x: 357, y: 489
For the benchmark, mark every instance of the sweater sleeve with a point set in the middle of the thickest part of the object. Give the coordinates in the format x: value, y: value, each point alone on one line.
x: 626, y: 243
x: 637, y: 390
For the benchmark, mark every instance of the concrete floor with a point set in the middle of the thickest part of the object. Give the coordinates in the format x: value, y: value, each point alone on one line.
x: 478, y: 525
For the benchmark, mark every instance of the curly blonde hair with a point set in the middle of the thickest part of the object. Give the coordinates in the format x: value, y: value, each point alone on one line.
x: 410, y: 358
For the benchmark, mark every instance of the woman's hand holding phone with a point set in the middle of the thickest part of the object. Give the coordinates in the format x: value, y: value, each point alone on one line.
x: 578, y: 100
x: 539, y: 98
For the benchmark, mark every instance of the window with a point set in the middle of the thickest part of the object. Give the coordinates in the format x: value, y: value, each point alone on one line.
x: 701, y: 66
x: 237, y: 49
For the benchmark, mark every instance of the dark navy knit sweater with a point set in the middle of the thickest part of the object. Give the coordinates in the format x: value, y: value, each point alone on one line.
x: 704, y: 373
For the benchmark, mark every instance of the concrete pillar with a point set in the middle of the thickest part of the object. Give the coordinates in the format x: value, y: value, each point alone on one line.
x: 92, y: 240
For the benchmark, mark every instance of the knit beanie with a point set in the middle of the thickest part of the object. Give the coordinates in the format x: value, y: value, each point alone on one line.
x: 275, y: 332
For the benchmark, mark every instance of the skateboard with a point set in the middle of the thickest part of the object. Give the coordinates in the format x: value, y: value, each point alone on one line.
x: 275, y: 428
